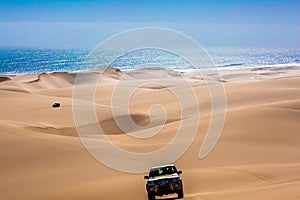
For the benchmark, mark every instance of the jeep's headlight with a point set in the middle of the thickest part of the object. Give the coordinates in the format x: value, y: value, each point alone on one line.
x: 177, y: 180
x: 151, y: 184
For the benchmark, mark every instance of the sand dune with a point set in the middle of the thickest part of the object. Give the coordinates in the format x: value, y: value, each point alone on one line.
x: 257, y: 156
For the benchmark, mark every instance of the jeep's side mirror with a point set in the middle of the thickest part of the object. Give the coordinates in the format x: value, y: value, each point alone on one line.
x: 146, y: 177
x: 179, y: 172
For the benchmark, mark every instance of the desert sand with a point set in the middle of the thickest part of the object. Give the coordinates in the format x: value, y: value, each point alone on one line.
x: 256, y: 157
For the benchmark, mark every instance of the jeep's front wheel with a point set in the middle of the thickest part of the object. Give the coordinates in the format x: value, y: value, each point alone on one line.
x: 180, y: 194
x: 151, y: 196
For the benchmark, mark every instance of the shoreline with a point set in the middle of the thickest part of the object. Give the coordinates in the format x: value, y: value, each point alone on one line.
x: 219, y: 68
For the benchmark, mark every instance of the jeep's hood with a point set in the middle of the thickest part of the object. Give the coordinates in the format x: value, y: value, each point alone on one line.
x: 175, y: 175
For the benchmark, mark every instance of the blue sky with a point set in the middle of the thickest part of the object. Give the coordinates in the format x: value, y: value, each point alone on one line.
x: 84, y: 23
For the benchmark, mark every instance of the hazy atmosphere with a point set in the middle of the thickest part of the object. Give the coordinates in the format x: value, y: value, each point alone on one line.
x: 83, y: 24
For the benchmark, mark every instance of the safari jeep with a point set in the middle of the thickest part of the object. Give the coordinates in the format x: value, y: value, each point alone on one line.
x: 164, y: 180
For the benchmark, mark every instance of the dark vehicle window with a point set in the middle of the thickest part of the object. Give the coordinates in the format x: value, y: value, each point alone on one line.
x: 163, y: 171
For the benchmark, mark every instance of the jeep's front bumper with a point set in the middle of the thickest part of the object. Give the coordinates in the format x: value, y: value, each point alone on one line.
x: 164, y: 188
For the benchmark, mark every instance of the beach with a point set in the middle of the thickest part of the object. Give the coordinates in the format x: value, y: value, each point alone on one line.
x: 256, y: 156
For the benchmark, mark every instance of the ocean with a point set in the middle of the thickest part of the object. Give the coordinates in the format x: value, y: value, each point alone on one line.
x: 19, y: 61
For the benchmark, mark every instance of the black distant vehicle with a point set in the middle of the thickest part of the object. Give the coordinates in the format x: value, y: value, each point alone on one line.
x: 164, y: 180
x: 56, y: 105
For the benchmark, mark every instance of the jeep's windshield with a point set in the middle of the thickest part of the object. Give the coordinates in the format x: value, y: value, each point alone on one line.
x: 162, y: 171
